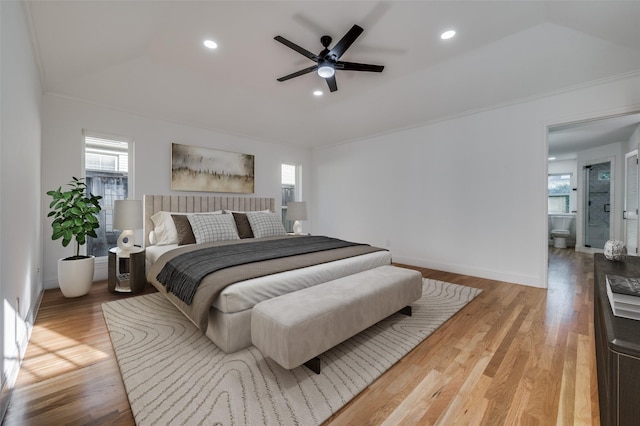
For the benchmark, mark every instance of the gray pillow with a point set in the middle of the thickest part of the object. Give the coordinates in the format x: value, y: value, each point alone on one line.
x: 183, y: 228
x: 242, y: 225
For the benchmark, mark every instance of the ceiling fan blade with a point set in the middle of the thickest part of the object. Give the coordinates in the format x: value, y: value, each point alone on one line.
x: 354, y: 66
x: 344, y: 43
x: 331, y: 81
x: 299, y: 73
x: 297, y: 48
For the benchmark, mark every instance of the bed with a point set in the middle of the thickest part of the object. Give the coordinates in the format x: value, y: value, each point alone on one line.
x: 221, y: 304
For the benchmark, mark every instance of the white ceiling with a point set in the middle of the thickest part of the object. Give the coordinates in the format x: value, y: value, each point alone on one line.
x: 147, y: 57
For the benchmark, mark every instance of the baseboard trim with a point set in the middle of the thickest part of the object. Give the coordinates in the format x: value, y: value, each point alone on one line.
x: 528, y: 280
x: 9, y: 381
x: 5, y: 397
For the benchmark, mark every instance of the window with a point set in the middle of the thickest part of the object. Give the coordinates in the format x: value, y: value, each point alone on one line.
x: 288, y: 193
x: 559, y: 193
x: 107, y: 175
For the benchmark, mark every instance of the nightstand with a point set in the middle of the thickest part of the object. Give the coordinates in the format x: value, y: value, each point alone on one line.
x: 127, y: 270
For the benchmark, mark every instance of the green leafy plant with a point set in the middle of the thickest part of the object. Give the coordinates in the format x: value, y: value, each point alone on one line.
x: 75, y: 214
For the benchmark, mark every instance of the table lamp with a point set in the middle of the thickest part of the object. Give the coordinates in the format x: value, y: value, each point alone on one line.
x: 127, y: 217
x: 297, y: 211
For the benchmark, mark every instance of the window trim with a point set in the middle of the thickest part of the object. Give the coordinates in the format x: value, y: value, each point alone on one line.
x: 566, y: 195
x: 111, y: 136
x: 130, y: 168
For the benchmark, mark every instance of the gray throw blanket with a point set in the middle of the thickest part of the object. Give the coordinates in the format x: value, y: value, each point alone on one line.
x: 182, y: 274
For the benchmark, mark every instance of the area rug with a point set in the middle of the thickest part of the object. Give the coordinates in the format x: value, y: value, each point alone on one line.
x: 174, y: 375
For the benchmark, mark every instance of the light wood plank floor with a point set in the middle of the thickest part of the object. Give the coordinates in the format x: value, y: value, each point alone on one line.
x: 515, y: 355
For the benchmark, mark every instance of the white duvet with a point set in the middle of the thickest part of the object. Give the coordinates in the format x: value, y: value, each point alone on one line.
x: 246, y: 294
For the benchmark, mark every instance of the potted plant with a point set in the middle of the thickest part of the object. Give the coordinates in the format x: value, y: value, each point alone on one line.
x: 75, y: 216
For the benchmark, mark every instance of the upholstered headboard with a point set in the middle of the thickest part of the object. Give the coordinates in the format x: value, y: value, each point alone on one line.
x: 196, y: 204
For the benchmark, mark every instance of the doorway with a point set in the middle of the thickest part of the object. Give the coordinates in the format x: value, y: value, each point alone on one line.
x: 597, y: 223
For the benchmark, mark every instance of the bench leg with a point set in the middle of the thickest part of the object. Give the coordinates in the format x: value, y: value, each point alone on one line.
x: 405, y: 311
x: 313, y: 364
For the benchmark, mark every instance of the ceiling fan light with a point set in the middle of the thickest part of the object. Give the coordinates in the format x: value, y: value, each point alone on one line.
x: 326, y: 71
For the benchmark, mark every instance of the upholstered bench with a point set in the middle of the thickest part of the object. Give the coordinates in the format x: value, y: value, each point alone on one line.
x: 295, y: 328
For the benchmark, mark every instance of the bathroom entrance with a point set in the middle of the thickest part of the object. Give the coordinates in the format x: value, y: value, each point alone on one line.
x: 597, y: 204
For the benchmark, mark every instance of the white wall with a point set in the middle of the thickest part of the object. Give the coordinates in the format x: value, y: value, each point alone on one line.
x: 466, y: 195
x: 20, y: 230
x: 62, y: 150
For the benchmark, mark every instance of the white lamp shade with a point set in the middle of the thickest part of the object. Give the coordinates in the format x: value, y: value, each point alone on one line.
x: 297, y: 210
x: 127, y: 216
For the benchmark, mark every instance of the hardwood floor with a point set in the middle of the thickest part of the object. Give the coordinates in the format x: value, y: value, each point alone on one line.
x: 515, y: 355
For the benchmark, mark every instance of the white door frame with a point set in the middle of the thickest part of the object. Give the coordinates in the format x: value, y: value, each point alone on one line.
x: 630, y: 213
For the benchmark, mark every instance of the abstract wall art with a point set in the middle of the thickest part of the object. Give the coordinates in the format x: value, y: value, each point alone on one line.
x: 210, y: 170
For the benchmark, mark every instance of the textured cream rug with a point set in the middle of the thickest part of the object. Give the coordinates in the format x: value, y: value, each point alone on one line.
x: 174, y: 375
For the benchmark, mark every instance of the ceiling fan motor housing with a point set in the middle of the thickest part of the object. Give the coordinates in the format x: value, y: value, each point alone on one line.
x: 325, y: 40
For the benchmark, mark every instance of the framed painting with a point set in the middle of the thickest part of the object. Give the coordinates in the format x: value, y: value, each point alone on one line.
x: 210, y: 170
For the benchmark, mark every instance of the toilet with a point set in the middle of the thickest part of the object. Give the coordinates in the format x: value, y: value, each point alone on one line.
x: 560, y: 230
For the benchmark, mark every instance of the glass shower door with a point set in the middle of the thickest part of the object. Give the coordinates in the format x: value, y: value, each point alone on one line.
x: 598, y: 208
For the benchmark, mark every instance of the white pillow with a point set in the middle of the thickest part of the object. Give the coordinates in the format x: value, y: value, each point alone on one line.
x: 208, y: 228
x: 266, y: 224
x: 165, y: 229
x: 152, y: 238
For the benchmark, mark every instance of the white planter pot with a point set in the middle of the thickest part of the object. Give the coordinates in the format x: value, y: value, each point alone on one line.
x: 75, y: 276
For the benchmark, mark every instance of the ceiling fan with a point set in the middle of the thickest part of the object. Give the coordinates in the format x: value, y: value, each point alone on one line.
x: 327, y: 61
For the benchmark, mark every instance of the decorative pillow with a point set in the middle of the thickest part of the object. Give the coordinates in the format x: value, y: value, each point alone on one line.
x: 266, y: 224
x: 208, y: 228
x: 183, y: 228
x: 242, y: 225
x: 165, y: 229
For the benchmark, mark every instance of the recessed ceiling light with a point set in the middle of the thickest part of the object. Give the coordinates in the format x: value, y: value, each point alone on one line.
x: 552, y: 158
x: 210, y: 44
x: 317, y: 93
x: 447, y: 35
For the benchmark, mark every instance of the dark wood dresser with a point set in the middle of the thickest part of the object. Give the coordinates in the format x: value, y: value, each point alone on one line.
x: 617, y: 349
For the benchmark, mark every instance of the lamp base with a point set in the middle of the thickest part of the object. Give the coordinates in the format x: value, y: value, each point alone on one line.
x: 297, y: 227
x: 125, y: 240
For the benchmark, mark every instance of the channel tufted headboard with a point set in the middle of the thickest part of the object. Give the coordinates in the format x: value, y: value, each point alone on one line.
x: 196, y: 204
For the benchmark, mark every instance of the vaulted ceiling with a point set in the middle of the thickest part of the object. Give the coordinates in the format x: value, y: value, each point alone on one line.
x: 566, y: 140
x: 148, y: 58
